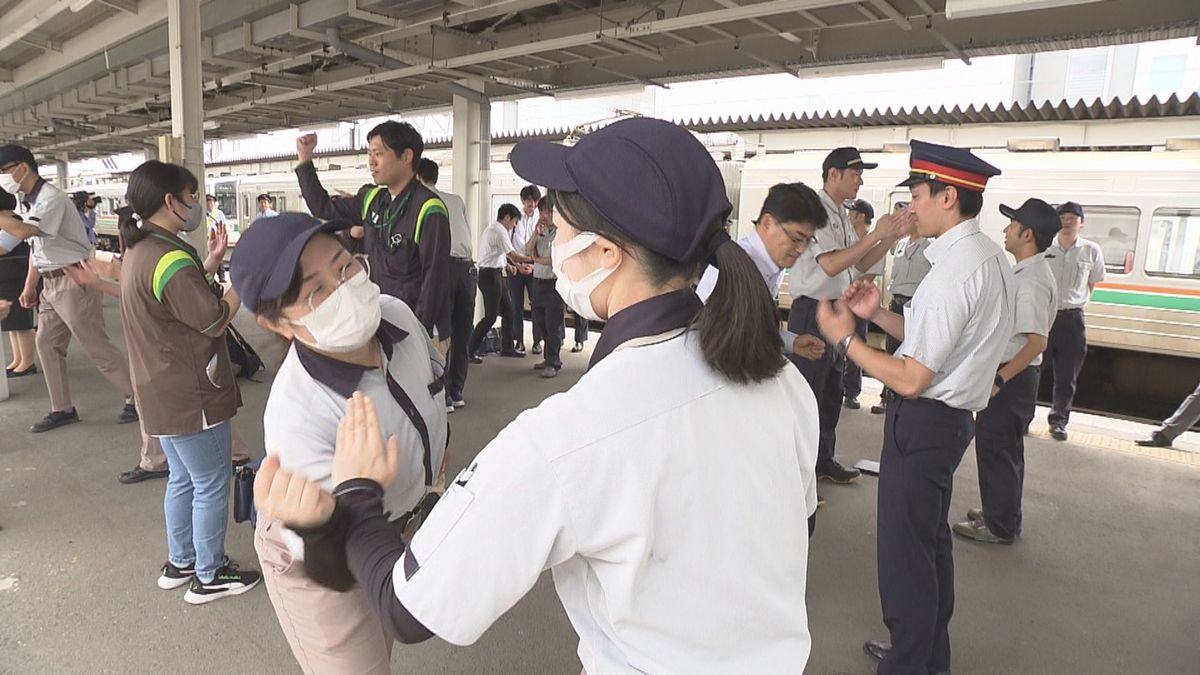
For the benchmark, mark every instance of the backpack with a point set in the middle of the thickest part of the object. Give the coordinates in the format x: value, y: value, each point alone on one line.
x: 242, y: 355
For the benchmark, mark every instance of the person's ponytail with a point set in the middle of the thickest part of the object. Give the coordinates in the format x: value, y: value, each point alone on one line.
x: 149, y: 185
x: 739, y: 325
x: 128, y: 226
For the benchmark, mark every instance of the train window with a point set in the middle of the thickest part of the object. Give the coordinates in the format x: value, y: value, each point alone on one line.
x: 1174, y: 248
x: 1115, y: 229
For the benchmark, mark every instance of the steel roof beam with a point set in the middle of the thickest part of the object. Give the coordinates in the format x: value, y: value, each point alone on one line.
x: 29, y: 17
x: 893, y: 14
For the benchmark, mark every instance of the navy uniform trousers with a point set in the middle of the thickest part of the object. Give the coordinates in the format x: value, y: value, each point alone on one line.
x: 1065, y: 348
x: 923, y: 443
x: 824, y: 375
x: 464, y: 282
x: 896, y: 306
x: 1000, y: 452
x: 549, y: 309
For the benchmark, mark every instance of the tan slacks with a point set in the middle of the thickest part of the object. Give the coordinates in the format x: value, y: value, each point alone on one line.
x: 67, y: 309
x: 330, y: 633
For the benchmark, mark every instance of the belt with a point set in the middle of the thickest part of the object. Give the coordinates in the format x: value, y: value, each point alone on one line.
x: 54, y: 274
x: 1070, y: 309
x: 466, y: 261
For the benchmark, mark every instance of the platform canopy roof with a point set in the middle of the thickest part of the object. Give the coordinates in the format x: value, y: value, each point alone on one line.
x: 90, y: 77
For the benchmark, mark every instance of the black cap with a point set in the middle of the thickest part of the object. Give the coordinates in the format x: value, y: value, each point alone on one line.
x: 845, y: 158
x: 264, y: 196
x: 1036, y: 215
x: 864, y: 207
x: 652, y: 180
x: 945, y: 164
x: 16, y: 153
x: 1070, y: 207
x: 82, y: 194
x: 264, y: 261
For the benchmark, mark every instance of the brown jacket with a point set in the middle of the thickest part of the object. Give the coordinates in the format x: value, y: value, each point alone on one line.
x: 175, y: 332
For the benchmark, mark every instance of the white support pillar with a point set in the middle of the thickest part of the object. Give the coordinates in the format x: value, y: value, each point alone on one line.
x: 187, y: 86
x: 471, y: 152
x: 62, y: 168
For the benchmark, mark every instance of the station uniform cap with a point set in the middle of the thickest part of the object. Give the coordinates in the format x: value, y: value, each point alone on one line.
x: 1036, y: 215
x: 945, y: 164
x: 1070, y: 207
x: 862, y: 206
x: 652, y: 180
x: 845, y: 158
x: 264, y: 196
x: 11, y: 152
x: 265, y: 259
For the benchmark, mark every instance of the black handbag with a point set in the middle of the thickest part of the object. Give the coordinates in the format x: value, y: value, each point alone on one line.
x: 243, y: 493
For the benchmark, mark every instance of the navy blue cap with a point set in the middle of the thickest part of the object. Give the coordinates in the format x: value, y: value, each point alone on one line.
x: 845, y: 158
x: 16, y: 153
x: 864, y: 207
x: 652, y: 180
x: 944, y: 164
x: 1036, y: 215
x: 1070, y: 207
x: 264, y: 261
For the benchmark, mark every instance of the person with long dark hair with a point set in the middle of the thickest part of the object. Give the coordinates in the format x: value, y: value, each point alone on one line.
x: 175, y: 319
x: 687, y: 450
x: 14, y: 265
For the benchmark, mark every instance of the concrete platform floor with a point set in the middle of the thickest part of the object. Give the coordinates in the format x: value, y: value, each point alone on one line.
x: 1105, y: 580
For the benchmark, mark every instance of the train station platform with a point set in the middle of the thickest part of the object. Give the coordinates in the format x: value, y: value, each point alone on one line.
x: 1104, y: 579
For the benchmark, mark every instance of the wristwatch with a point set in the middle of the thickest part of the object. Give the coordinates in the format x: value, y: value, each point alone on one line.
x: 844, y: 344
x: 999, y: 381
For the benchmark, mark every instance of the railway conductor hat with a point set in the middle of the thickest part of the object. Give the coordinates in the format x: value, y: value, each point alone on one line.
x: 264, y: 262
x: 930, y: 162
x: 652, y: 180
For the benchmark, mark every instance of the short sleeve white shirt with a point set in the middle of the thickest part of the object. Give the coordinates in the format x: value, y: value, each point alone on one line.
x: 807, y: 277
x: 753, y: 245
x: 1075, y: 268
x: 62, y: 239
x: 670, y: 504
x: 494, y: 246
x: 523, y: 232
x: 961, y: 317
x: 460, y: 227
x: 909, y: 265
x: 303, y: 410
x: 215, y: 217
x: 1036, y: 304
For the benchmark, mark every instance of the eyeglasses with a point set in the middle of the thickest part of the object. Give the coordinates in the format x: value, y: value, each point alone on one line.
x: 9, y: 167
x: 798, y: 240
x: 348, y: 270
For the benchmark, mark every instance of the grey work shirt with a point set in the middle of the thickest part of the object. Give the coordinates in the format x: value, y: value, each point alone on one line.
x: 807, y: 277
x: 543, y: 247
x: 961, y: 317
x: 1036, y: 304
x: 909, y: 265
x: 62, y: 239
x: 308, y: 399
x: 460, y: 227
x: 1074, y: 269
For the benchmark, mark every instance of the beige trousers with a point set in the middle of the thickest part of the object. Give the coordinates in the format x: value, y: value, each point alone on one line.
x: 67, y: 309
x: 330, y: 633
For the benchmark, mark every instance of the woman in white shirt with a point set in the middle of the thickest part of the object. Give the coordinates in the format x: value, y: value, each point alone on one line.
x: 668, y: 490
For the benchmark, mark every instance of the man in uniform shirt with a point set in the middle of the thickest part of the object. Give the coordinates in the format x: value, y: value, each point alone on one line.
x: 403, y: 226
x: 464, y: 281
x: 521, y: 284
x: 217, y: 222
x: 1078, y: 265
x: 953, y: 333
x: 1000, y: 428
x: 833, y: 260
x: 265, y: 207
x: 548, y: 306
x: 909, y: 267
x: 49, y: 221
x: 496, y: 255
x: 861, y: 213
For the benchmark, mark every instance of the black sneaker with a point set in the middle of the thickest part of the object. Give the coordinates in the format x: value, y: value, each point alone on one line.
x: 1156, y: 440
x: 173, y: 577
x: 852, y: 403
x: 228, y: 581
x: 577, y: 348
x: 128, y: 414
x: 475, y: 358
x: 56, y: 419
x: 537, y: 348
x: 138, y: 474
x: 837, y: 473
x: 878, y: 409
x: 1058, y: 433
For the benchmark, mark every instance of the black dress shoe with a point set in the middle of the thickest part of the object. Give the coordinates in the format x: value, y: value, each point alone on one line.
x: 1156, y: 440
x: 537, y: 348
x: 475, y: 358
x: 139, y: 474
x: 837, y: 473
x: 128, y: 414
x: 1058, y: 432
x: 577, y: 348
x: 877, y: 649
x: 56, y: 419
x: 852, y: 403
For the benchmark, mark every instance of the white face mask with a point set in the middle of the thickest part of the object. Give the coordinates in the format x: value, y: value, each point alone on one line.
x: 577, y: 294
x: 9, y: 184
x: 347, y: 319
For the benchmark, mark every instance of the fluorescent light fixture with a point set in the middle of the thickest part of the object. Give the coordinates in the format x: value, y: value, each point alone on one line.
x: 897, y: 147
x: 969, y: 9
x: 1183, y: 143
x: 596, y: 92
x: 1046, y: 144
x: 874, y: 67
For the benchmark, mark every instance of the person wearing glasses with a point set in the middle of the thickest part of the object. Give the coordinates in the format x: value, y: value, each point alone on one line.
x: 302, y: 284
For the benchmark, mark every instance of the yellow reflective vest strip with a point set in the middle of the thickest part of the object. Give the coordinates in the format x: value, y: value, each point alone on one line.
x: 167, y: 266
x: 434, y: 205
x: 366, y: 205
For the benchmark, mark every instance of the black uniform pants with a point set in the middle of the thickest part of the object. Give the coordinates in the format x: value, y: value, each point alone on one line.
x: 852, y: 375
x: 495, y: 304
x: 548, y: 305
x: 923, y: 443
x: 1065, y: 348
x: 824, y: 376
x: 896, y: 306
x: 464, y: 280
x: 1000, y: 452
x: 581, y: 328
x: 518, y: 286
